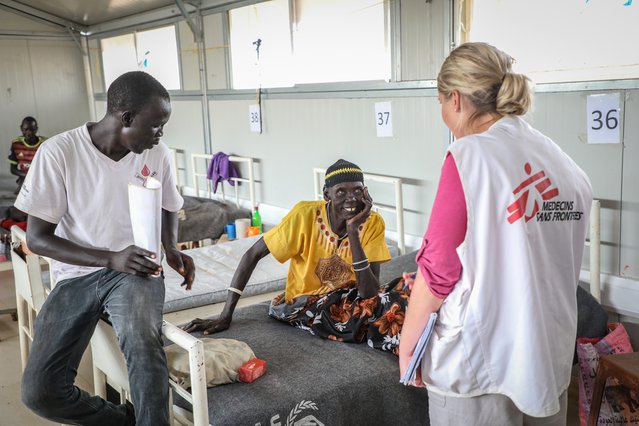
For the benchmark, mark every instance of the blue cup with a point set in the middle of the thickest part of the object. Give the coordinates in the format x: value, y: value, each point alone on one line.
x: 230, y: 230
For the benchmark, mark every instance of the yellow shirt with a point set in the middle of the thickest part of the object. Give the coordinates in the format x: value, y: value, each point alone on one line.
x: 304, y: 237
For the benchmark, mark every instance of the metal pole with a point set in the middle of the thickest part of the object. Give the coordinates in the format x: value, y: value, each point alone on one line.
x: 595, y: 250
x: 197, y: 27
x: 399, y: 206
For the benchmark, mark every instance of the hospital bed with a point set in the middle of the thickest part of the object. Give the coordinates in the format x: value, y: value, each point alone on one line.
x: 323, y: 381
x: 356, y: 365
x: 108, y: 364
x: 215, y: 266
x: 204, y: 215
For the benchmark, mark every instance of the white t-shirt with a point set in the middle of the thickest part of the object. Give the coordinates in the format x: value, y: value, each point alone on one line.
x: 74, y: 185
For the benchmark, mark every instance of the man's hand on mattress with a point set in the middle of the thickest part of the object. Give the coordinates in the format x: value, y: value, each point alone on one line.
x: 183, y: 265
x: 134, y: 260
x: 209, y: 326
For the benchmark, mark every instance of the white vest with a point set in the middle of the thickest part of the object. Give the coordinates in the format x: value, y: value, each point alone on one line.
x: 509, y: 325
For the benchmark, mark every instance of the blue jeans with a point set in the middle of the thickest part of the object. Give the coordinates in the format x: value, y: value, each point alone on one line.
x: 63, y: 330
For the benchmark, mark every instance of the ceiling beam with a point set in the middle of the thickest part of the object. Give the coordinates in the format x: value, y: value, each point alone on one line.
x: 39, y: 15
x: 195, y: 28
x: 132, y: 21
x: 163, y: 14
x: 34, y: 35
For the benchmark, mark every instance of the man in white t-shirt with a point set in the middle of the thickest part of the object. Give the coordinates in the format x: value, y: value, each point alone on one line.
x: 76, y: 196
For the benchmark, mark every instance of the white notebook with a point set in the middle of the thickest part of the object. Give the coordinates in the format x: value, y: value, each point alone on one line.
x: 416, y: 360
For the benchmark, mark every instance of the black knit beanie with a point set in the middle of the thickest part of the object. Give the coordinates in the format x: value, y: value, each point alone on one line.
x: 343, y: 171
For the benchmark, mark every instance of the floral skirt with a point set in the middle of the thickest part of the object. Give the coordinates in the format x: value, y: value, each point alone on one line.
x: 344, y: 316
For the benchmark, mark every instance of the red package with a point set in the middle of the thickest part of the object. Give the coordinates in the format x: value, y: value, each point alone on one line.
x: 252, y: 370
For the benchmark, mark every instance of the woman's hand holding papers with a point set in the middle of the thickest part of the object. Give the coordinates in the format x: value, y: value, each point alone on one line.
x: 404, y: 361
x: 421, y: 305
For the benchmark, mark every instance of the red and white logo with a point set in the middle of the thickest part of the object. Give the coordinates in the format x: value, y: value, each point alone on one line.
x: 541, y: 183
x: 145, y: 173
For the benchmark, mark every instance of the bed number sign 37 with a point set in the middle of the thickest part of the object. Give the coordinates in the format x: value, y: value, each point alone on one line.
x: 604, y: 118
x: 383, y: 120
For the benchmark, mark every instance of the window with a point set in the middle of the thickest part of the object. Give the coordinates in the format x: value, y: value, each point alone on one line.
x: 324, y: 41
x: 261, y: 45
x: 557, y: 41
x: 336, y: 40
x: 153, y: 51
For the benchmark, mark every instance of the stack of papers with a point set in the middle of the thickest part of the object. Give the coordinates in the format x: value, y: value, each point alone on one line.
x: 145, y: 207
x: 415, y: 362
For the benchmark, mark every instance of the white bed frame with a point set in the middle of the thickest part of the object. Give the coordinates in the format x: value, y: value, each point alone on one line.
x: 594, y: 246
x: 199, y: 167
x: 398, y: 209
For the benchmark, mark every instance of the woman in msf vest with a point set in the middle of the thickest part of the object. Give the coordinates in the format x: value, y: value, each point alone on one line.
x: 501, y: 256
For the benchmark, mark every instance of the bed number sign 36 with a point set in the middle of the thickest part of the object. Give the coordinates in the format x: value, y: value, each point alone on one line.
x: 604, y: 118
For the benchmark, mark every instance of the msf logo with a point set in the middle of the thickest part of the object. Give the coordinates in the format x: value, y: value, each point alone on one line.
x: 538, y: 182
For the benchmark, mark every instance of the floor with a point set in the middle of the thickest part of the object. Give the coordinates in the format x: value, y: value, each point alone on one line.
x: 13, y: 412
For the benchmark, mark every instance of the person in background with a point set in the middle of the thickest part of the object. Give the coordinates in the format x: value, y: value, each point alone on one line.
x: 501, y: 257
x: 335, y: 247
x: 76, y: 196
x: 23, y: 148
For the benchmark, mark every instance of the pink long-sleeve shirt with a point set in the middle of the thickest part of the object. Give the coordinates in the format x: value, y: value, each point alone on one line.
x: 437, y: 258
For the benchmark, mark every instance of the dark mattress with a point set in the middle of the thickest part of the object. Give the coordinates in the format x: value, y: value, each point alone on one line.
x: 202, y: 218
x: 311, y: 379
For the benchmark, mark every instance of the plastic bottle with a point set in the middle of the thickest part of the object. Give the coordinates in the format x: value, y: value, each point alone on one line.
x: 257, y: 219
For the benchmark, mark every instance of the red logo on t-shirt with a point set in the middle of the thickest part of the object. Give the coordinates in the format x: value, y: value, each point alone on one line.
x: 145, y: 173
x: 519, y: 207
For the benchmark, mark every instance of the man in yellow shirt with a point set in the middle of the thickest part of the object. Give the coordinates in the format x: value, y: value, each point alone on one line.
x: 335, y: 247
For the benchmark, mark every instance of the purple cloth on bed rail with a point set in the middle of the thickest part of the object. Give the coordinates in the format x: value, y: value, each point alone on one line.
x: 221, y: 169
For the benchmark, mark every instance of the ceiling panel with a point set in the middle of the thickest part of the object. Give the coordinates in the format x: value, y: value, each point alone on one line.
x: 95, y: 11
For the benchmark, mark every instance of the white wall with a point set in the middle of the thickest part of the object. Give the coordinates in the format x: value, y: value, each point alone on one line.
x: 43, y: 78
x: 300, y: 134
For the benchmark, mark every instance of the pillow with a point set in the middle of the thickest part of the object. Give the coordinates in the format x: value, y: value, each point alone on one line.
x: 222, y: 360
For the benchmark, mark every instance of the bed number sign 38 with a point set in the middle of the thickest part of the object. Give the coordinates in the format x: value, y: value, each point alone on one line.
x: 604, y: 115
x: 255, y: 118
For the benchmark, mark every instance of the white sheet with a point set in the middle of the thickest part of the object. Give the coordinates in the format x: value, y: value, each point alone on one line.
x: 215, y: 266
